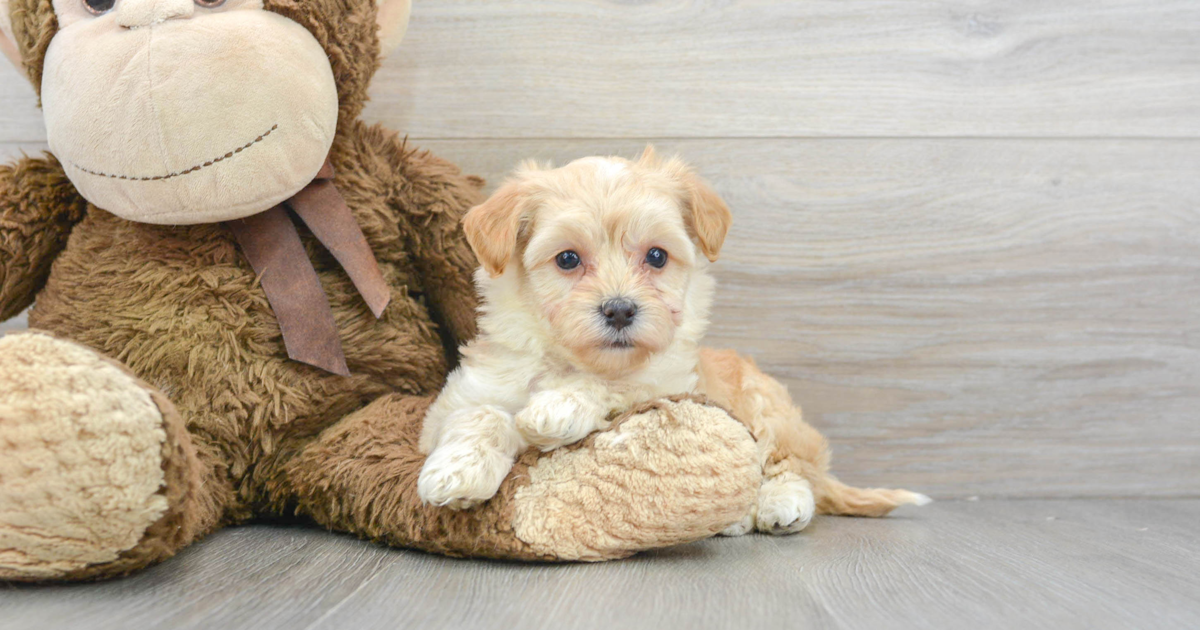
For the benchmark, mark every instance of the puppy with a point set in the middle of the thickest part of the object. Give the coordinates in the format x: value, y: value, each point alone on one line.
x: 595, y: 296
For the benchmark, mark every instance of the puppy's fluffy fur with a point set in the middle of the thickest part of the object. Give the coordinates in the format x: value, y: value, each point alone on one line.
x: 553, y: 359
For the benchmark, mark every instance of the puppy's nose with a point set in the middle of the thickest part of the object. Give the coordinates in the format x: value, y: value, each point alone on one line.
x: 618, y: 313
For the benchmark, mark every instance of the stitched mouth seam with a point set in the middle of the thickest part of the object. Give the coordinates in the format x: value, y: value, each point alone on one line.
x: 185, y: 171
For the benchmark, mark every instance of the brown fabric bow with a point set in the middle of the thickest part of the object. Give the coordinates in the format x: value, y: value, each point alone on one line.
x: 271, y: 243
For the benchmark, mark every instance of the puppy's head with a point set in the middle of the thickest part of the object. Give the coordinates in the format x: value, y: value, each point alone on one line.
x: 601, y: 254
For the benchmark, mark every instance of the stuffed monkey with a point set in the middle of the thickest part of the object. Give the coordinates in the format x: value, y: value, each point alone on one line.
x: 244, y: 298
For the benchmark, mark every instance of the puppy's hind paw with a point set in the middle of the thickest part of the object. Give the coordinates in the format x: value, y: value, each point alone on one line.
x: 785, y: 505
x: 740, y: 528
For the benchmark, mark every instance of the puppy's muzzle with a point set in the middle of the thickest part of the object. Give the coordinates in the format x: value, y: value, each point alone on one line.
x: 618, y: 313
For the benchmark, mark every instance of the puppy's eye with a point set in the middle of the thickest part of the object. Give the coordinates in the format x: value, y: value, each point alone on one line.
x: 656, y: 258
x: 98, y: 7
x: 567, y: 260
x: 209, y: 4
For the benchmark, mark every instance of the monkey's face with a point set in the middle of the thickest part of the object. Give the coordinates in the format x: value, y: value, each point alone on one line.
x: 186, y: 111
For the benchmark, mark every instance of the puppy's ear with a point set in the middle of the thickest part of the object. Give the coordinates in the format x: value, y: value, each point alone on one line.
x: 492, y: 227
x: 705, y: 214
x: 649, y: 157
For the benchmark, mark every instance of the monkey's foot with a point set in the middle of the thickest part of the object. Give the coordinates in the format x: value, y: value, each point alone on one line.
x: 82, y: 474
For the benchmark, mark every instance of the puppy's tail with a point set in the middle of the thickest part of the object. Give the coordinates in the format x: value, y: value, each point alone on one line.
x: 835, y: 497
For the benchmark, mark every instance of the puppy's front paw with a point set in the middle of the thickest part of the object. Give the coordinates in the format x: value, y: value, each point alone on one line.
x: 461, y: 476
x: 785, y: 505
x: 553, y: 419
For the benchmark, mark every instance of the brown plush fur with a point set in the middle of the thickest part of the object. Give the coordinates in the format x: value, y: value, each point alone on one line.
x: 34, y: 25
x: 41, y: 207
x: 181, y: 307
x: 352, y: 500
x: 249, y: 432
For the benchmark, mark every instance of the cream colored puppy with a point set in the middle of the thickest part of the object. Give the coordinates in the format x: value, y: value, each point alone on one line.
x: 596, y: 295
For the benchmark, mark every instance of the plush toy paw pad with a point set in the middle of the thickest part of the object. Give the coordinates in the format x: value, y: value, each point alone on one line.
x: 80, y: 458
x: 785, y: 505
x: 674, y: 473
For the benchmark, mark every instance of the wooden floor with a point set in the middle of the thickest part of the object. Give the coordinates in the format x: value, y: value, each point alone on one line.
x: 966, y: 239
x: 1058, y: 564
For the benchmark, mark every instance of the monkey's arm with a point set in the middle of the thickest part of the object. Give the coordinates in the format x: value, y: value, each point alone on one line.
x: 38, y: 208
x: 432, y: 195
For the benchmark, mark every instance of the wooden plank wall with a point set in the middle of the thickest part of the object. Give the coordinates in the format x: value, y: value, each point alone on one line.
x: 967, y: 232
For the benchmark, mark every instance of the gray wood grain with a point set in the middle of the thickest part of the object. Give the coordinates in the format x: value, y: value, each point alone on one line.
x: 1094, y: 564
x: 688, y: 68
x: 20, y: 118
x: 14, y: 150
x: 1005, y: 318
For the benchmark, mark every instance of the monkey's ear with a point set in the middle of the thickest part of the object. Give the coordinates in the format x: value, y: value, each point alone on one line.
x: 392, y: 16
x: 8, y: 44
x: 492, y: 227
